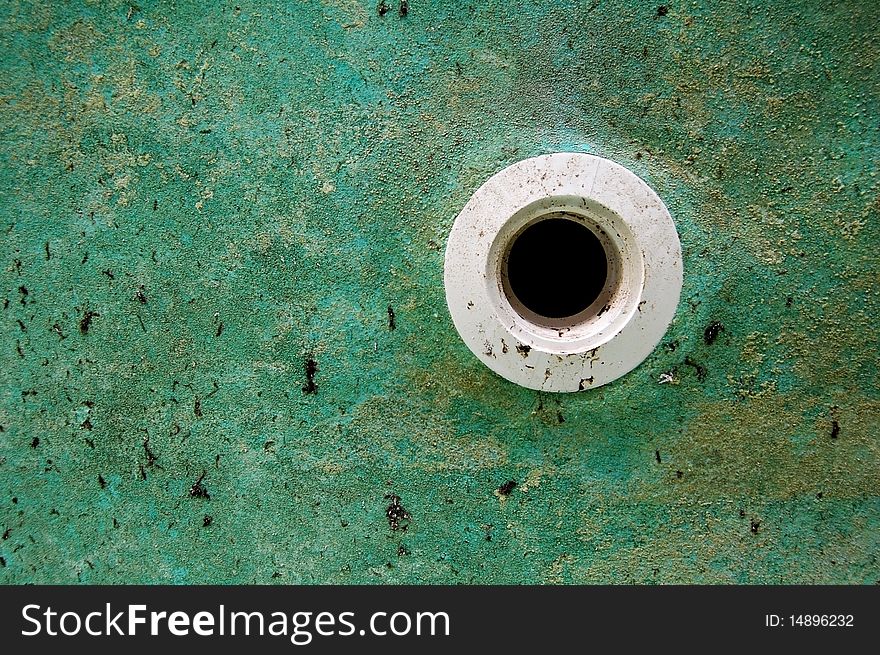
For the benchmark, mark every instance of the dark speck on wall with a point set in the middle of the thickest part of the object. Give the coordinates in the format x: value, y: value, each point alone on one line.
x: 710, y: 334
x: 699, y: 369
x: 392, y: 321
x: 507, y: 487
x: 85, y: 323
x: 397, y: 515
x: 311, y: 367
x: 197, y: 490
x: 151, y: 456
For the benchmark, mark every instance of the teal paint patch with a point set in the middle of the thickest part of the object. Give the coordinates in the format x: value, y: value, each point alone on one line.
x: 198, y: 199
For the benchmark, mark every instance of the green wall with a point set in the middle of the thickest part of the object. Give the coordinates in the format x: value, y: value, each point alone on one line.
x: 202, y: 200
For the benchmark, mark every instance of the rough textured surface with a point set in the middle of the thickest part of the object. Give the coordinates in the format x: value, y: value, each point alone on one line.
x: 213, y: 214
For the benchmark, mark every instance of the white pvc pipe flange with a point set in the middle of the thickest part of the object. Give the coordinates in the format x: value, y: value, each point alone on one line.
x: 627, y: 319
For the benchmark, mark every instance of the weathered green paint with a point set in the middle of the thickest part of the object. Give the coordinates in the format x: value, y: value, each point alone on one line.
x: 233, y: 187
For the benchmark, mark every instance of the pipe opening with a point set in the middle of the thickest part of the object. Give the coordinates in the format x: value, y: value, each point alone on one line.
x: 555, y: 267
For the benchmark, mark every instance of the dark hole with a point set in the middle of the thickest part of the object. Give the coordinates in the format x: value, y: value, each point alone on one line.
x: 557, y: 267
